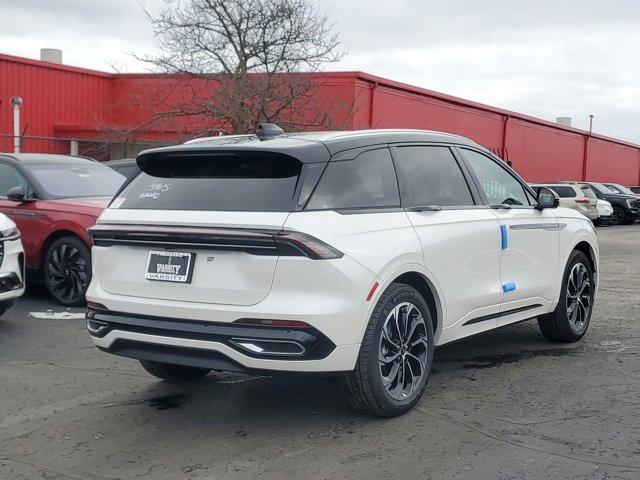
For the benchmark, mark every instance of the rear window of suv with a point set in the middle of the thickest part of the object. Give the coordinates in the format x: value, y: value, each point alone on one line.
x: 240, y: 181
x: 563, y: 192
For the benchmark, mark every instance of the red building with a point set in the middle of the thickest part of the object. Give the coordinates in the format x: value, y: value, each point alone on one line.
x: 67, y: 109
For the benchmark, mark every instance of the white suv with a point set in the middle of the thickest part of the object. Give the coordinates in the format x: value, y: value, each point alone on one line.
x: 11, y: 263
x: 577, y: 197
x: 350, y: 252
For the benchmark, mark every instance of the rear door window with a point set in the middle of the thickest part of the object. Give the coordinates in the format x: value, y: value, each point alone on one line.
x: 563, y: 192
x: 242, y: 181
x: 431, y: 176
x: 368, y: 181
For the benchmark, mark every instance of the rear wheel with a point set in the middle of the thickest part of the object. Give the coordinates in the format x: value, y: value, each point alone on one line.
x: 395, y: 358
x: 174, y: 373
x: 67, y: 271
x: 570, y: 320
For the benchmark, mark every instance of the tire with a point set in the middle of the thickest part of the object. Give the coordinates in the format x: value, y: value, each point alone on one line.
x: 67, y: 271
x: 560, y: 325
x: 174, y: 373
x: 6, y: 306
x: 366, y: 387
x: 619, y: 216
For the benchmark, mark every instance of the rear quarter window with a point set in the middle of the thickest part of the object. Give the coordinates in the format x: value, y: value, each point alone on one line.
x: 368, y: 181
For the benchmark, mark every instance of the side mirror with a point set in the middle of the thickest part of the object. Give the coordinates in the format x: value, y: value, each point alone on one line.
x: 16, y: 194
x: 547, y: 198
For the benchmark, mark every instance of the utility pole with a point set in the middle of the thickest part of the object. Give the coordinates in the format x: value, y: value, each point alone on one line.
x: 590, y: 124
x: 16, y: 102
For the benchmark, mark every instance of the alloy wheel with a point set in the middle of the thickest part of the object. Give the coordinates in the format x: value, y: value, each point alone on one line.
x: 579, y: 294
x: 403, y: 351
x: 67, y: 272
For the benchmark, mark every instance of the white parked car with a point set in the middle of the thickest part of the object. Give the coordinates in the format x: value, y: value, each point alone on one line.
x: 344, y: 252
x: 605, y: 212
x: 11, y: 263
x: 580, y: 198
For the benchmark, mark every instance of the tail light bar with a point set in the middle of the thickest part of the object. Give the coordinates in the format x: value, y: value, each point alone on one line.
x: 257, y: 242
x: 582, y: 200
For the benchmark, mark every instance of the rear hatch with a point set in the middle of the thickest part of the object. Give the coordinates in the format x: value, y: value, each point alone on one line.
x: 198, y: 227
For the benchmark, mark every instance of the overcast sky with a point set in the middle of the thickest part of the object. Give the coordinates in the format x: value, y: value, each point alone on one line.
x: 544, y: 58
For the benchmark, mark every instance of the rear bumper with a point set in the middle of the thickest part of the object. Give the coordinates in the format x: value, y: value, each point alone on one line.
x: 224, y: 347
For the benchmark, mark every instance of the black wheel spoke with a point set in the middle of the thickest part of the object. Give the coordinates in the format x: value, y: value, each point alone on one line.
x: 67, y: 272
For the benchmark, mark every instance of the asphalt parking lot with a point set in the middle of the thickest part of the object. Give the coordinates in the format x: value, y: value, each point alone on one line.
x: 505, y: 405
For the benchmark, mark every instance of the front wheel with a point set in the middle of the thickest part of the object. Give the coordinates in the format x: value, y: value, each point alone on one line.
x: 67, y: 271
x: 570, y: 320
x: 395, y: 358
x: 619, y: 217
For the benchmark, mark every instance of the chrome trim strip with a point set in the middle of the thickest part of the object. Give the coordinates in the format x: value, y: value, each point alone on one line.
x: 539, y: 226
x: 8, y: 239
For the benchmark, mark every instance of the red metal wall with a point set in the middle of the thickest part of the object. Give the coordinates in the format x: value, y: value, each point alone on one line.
x: 539, y: 150
x: 63, y: 101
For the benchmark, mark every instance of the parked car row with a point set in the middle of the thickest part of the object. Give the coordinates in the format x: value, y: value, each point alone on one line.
x: 601, y: 203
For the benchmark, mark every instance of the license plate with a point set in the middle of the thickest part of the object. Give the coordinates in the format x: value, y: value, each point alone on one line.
x: 170, y: 266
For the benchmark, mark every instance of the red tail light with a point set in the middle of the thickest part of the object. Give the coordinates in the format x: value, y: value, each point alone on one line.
x: 307, y: 245
x: 582, y: 200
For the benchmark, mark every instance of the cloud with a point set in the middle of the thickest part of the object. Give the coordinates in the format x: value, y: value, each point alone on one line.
x: 547, y: 59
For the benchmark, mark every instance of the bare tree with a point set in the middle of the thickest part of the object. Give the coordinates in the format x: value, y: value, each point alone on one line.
x: 242, y: 62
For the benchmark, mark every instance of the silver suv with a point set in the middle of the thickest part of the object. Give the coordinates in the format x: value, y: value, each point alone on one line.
x: 580, y: 198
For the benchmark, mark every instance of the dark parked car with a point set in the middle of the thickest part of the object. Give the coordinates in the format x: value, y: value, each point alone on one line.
x: 126, y: 166
x: 635, y: 189
x: 626, y: 208
x: 616, y: 187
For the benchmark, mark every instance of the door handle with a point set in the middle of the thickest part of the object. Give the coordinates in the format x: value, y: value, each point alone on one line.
x: 425, y: 208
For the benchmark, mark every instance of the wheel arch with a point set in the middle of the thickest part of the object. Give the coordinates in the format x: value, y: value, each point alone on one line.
x: 586, y: 248
x: 53, y: 236
x: 421, y: 279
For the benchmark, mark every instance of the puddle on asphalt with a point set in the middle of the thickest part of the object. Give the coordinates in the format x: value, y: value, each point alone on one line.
x: 492, y: 361
x: 166, y: 402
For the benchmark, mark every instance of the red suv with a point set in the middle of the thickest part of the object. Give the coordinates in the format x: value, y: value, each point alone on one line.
x: 53, y: 199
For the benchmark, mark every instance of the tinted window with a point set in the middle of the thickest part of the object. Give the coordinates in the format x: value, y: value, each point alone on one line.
x: 248, y: 182
x: 588, y: 192
x: 127, y: 170
x: 60, y: 180
x: 10, y: 177
x: 598, y: 187
x: 563, y: 192
x: 367, y: 181
x: 500, y: 186
x: 431, y: 176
